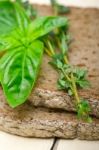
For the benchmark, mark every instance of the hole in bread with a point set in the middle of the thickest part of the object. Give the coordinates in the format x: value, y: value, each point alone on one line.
x: 81, y: 65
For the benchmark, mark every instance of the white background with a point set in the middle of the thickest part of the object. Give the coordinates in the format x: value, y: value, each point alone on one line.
x: 82, y: 3
x: 11, y: 142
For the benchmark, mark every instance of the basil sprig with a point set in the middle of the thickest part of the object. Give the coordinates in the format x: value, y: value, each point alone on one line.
x: 22, y: 50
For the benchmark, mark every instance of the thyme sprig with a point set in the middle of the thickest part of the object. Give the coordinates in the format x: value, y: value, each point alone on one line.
x: 71, y: 78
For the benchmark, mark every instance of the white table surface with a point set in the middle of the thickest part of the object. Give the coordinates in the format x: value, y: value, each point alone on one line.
x: 11, y: 142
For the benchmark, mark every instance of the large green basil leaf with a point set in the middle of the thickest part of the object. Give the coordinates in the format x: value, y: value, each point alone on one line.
x: 43, y: 25
x: 18, y: 72
x: 20, y: 63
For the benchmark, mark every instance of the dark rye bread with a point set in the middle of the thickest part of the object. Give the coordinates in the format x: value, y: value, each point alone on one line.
x: 28, y: 121
x: 84, y: 52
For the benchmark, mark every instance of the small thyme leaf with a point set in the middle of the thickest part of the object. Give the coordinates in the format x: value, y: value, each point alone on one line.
x: 59, y: 9
x: 80, y: 73
x: 64, y: 45
x: 59, y: 64
x: 61, y: 84
x: 83, y: 83
x: 84, y: 110
x: 70, y: 93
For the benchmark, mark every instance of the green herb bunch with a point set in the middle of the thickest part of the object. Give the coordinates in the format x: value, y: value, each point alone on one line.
x: 71, y: 78
x: 21, y: 49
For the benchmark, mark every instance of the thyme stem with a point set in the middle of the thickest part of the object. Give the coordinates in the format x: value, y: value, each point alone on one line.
x: 66, y: 76
x: 74, y: 87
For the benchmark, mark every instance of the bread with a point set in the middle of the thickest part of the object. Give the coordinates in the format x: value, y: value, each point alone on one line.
x: 28, y: 121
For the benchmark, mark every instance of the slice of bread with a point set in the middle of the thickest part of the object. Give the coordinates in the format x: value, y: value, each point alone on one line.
x: 28, y: 121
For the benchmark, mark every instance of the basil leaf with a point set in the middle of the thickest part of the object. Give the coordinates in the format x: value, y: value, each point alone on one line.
x: 12, y: 15
x: 43, y: 25
x: 20, y: 63
x: 18, y: 72
x: 22, y: 19
x: 7, y: 17
x: 38, y: 28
